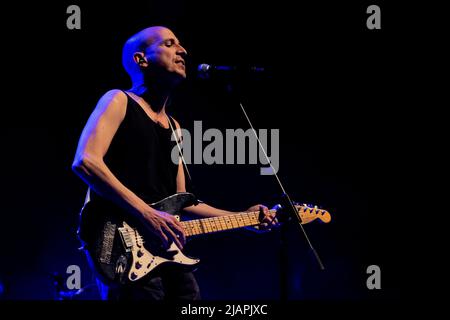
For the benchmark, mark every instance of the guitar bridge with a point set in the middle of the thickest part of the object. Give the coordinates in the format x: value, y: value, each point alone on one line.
x: 127, y: 234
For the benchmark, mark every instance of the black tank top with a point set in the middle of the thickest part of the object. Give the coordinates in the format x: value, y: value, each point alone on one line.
x: 140, y: 156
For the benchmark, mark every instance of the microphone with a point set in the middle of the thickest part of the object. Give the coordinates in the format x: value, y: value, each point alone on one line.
x: 205, y: 71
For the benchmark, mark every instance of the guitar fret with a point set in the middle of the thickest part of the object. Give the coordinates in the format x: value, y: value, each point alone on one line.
x: 213, y: 225
x: 201, y: 227
x: 196, y: 226
x: 227, y: 222
x: 222, y: 223
x: 234, y: 222
x: 193, y: 228
x: 206, y: 226
x: 216, y: 222
x: 186, y: 227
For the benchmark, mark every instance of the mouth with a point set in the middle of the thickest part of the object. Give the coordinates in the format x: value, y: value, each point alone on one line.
x: 181, y: 63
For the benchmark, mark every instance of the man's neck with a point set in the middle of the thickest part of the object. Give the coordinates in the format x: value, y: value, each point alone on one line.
x: 155, y: 97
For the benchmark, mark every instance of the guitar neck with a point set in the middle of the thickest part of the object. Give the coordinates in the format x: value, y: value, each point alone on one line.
x: 246, y: 219
x: 222, y: 223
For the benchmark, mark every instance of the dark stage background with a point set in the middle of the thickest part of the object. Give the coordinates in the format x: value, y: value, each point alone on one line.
x: 332, y: 88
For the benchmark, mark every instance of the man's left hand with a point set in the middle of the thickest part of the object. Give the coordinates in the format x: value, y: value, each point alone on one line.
x: 268, y: 219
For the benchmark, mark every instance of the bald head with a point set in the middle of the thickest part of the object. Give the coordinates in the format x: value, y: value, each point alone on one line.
x: 138, y: 43
x: 152, y: 46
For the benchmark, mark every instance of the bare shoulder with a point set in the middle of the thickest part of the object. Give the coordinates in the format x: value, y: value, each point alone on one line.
x: 113, y: 102
x: 113, y: 97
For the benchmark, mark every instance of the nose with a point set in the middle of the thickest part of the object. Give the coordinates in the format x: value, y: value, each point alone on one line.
x: 181, y: 51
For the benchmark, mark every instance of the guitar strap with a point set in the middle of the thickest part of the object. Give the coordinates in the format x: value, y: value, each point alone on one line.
x: 88, y: 196
x: 180, y: 151
x: 178, y: 140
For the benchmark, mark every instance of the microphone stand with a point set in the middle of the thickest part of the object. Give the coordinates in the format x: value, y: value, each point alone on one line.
x: 286, y: 204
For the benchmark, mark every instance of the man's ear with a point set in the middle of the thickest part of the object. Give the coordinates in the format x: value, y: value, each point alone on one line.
x: 140, y: 60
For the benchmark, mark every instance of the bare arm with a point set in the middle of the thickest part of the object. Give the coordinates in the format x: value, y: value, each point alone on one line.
x: 90, y: 166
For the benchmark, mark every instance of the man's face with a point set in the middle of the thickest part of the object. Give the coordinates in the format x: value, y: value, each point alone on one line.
x: 166, y: 53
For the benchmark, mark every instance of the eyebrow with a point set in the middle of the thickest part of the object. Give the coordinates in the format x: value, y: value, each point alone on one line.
x: 173, y: 40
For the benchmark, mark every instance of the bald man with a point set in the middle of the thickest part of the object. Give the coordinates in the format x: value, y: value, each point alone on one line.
x: 124, y: 155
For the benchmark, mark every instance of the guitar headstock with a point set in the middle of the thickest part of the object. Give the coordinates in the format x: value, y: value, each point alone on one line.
x: 310, y: 213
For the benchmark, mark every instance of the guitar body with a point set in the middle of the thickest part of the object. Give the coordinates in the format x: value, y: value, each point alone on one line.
x: 121, y: 250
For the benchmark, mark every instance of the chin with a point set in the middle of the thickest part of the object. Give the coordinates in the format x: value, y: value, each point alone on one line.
x: 180, y: 72
x: 181, y: 75
x: 178, y: 78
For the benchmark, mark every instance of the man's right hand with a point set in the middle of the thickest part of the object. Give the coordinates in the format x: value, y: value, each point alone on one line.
x: 166, y: 227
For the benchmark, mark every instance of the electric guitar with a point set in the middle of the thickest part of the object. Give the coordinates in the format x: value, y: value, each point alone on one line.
x: 122, y: 251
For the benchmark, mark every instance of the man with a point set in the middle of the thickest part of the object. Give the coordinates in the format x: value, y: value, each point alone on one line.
x: 124, y: 155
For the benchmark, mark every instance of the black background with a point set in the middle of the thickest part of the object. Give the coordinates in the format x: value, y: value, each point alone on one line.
x: 341, y: 95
